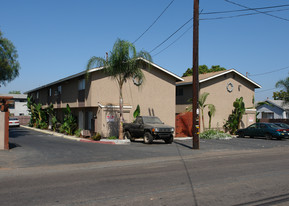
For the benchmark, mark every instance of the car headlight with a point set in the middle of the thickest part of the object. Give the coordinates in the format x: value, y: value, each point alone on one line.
x: 172, y: 129
x: 156, y: 129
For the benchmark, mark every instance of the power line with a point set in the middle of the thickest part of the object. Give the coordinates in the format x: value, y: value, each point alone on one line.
x: 171, y: 35
x: 240, y: 15
x: 154, y: 22
x: 269, y: 72
x: 241, y: 10
x: 257, y: 10
x: 217, y: 18
x: 174, y: 41
x: 266, y: 90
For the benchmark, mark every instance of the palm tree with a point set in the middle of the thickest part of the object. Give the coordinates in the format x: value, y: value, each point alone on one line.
x: 121, y: 64
x: 211, y: 113
x: 202, y: 106
x: 284, y: 84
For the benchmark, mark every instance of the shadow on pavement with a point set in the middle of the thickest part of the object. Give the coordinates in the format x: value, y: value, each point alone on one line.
x: 17, y: 132
x: 184, y: 145
x: 13, y: 145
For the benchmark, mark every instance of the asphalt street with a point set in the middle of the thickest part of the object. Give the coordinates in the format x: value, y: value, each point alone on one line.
x: 41, y: 169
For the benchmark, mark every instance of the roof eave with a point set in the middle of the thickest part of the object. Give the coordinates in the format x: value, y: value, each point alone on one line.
x: 98, y: 69
x: 217, y: 75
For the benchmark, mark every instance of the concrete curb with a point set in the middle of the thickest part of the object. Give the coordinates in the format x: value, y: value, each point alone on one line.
x: 182, y: 138
x: 79, y: 139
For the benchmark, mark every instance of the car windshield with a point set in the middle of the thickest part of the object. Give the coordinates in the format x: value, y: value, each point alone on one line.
x: 152, y: 120
x: 282, y: 125
x: 13, y: 118
x: 273, y: 126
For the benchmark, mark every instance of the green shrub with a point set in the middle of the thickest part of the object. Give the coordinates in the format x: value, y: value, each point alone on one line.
x: 77, y: 132
x: 214, y: 134
x: 112, y: 137
x: 96, y: 137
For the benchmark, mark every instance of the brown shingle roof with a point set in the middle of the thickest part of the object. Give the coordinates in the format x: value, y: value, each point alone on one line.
x: 201, y: 76
x: 208, y: 76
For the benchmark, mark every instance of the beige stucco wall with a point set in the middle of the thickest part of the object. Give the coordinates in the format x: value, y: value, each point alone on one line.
x: 156, y: 96
x: 220, y: 96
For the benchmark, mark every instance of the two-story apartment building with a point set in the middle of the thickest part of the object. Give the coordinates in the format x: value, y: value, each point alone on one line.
x: 95, y: 100
x: 223, y: 88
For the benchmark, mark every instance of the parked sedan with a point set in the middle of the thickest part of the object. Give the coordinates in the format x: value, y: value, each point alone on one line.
x: 268, y: 130
x: 14, y: 122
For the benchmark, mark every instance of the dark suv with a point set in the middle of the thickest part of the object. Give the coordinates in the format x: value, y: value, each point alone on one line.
x: 148, y: 128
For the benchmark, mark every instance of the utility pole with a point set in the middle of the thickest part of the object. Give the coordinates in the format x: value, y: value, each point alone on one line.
x: 195, y: 126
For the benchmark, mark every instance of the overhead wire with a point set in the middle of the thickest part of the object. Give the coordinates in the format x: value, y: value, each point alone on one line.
x: 242, y: 10
x: 257, y: 10
x: 240, y: 15
x: 215, y: 18
x: 174, y: 41
x: 154, y: 21
x: 171, y: 35
x: 266, y: 90
x: 276, y: 70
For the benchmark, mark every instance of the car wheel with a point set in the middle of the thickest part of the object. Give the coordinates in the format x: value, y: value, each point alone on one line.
x: 148, y: 138
x: 127, y: 135
x: 241, y: 135
x: 268, y: 136
x: 169, y: 140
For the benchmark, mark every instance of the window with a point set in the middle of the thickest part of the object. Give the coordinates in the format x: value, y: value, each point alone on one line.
x: 180, y: 91
x: 253, y: 126
x: 50, y: 91
x: 267, y: 115
x: 262, y: 126
x: 59, y: 89
x: 81, y: 84
x: 37, y: 95
x: 11, y: 105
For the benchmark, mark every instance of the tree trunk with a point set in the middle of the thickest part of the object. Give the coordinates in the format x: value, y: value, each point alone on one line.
x: 203, y: 121
x: 120, y: 133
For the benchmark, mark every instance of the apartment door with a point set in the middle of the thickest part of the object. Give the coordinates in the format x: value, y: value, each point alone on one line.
x: 80, y: 120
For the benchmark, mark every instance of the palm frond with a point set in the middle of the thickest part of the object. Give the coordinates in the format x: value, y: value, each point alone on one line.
x: 202, y: 99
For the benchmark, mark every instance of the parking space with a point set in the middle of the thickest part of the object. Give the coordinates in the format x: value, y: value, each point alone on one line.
x: 30, y: 148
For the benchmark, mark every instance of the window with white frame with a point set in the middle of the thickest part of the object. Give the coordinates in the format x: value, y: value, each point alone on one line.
x: 267, y: 115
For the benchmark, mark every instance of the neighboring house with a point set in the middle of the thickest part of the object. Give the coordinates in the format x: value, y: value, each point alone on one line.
x: 223, y: 88
x: 274, y: 109
x: 18, y: 105
x: 95, y: 101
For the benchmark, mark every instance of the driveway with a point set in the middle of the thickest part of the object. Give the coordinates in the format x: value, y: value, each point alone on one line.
x: 31, y: 149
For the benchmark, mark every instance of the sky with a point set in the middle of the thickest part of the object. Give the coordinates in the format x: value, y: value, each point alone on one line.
x: 56, y: 38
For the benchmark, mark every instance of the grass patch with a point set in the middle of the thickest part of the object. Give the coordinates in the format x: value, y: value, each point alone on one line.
x: 113, y: 137
x: 214, y: 134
